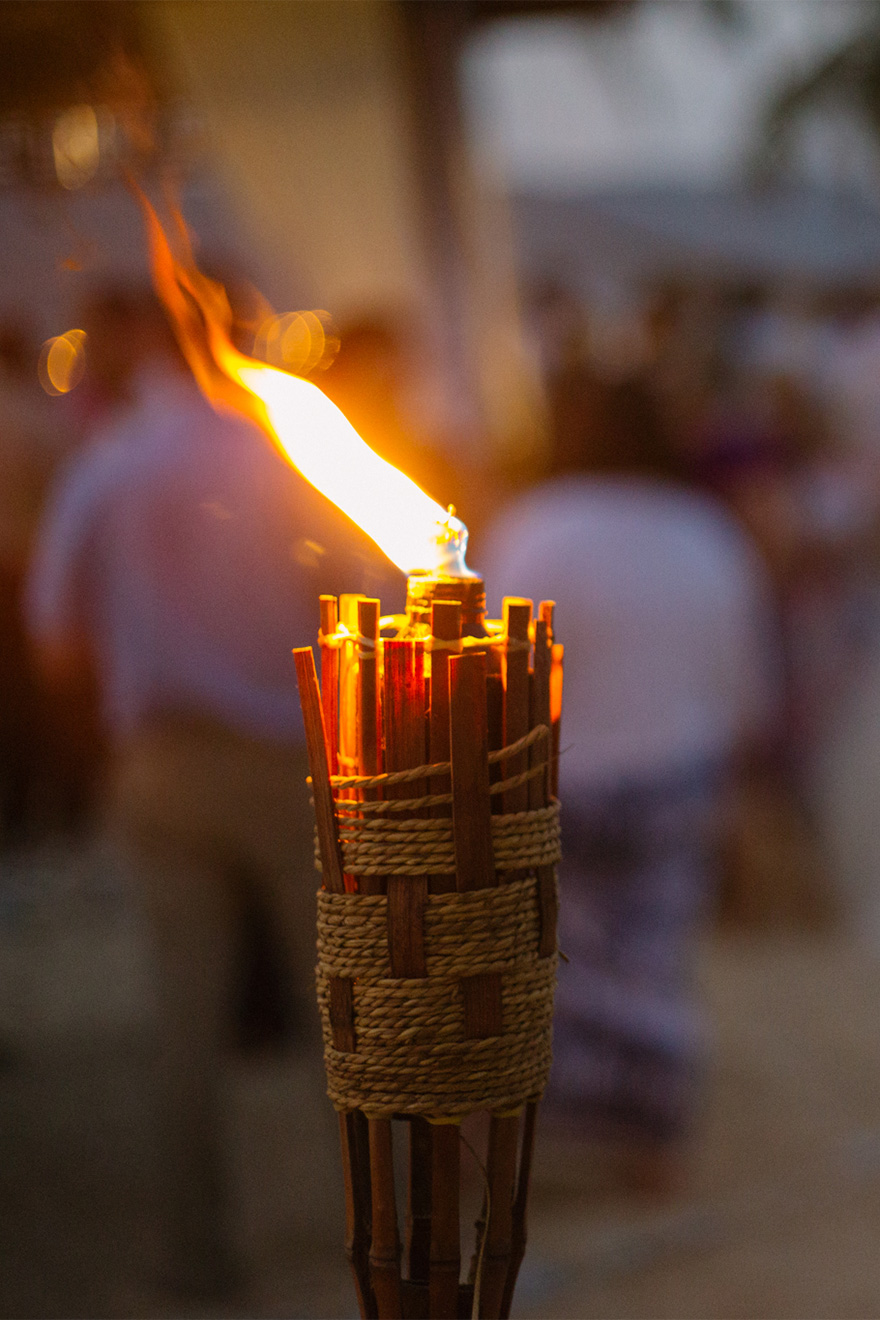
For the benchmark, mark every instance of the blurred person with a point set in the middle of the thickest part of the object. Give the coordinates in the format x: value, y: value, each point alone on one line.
x: 663, y: 609
x: 761, y: 445
x: 556, y: 326
x: 181, y: 560
x: 848, y: 373
x: 845, y: 507
x: 767, y: 450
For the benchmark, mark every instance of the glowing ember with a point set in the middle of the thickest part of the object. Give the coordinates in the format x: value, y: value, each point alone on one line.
x: 413, y: 530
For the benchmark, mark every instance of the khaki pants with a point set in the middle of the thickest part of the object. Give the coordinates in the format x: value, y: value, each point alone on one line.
x: 202, y: 812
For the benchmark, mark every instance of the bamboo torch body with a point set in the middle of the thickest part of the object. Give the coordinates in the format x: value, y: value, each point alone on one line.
x: 407, y: 741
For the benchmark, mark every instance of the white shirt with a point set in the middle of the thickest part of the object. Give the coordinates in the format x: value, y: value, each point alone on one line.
x: 664, y: 612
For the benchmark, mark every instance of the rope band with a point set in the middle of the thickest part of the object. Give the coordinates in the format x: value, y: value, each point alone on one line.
x: 376, y: 845
x: 412, y: 1055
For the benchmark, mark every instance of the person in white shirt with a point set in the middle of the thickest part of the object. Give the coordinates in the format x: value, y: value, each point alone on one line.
x: 670, y: 672
x: 179, y: 560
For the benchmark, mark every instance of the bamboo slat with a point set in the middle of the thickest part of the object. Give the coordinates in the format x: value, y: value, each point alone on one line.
x: 445, y: 1263
x: 356, y: 1178
x: 539, y: 786
x: 330, y: 680
x: 501, y: 1158
x: 404, y: 715
x: 385, y: 1241
x: 348, y: 671
x: 341, y: 1008
x: 445, y: 628
x: 469, y: 753
x: 539, y: 789
x: 445, y: 1234
x: 471, y: 813
x: 501, y: 1175
x: 368, y: 741
x: 316, y: 745
x: 404, y: 712
x: 366, y: 709
x: 515, y: 678
x: 419, y: 1200
x: 520, y: 1207
x: 557, y: 655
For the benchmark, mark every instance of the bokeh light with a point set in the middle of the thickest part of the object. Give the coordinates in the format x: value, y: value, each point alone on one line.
x: 76, y: 146
x: 62, y: 362
x: 300, y: 342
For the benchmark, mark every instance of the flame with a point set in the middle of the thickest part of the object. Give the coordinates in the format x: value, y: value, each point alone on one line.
x: 307, y: 428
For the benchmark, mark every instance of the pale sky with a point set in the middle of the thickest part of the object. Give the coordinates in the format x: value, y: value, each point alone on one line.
x: 666, y: 95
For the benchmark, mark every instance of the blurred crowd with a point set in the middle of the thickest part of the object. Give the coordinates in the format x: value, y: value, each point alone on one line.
x: 707, y: 522
x: 706, y: 513
x: 767, y: 401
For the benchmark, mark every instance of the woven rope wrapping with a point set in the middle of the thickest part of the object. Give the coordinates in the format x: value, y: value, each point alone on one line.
x: 373, y: 842
x: 412, y: 1055
x: 382, y: 846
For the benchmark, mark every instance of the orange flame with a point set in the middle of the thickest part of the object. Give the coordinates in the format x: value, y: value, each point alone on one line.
x: 307, y: 428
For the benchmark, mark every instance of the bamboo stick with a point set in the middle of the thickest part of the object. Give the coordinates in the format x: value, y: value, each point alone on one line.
x: 368, y: 742
x: 356, y: 1178
x: 348, y: 671
x: 445, y: 1241
x: 316, y: 745
x: 471, y: 814
x: 501, y: 1174
x: 330, y: 680
x: 367, y: 737
x: 501, y: 1155
x: 515, y: 677
x: 556, y: 666
x: 471, y: 804
x: 404, y: 712
x: 374, y: 1170
x: 385, y: 1241
x: 520, y: 1206
x: 539, y: 789
x: 341, y: 1006
x: 445, y: 1263
x: 419, y: 1200
x: 445, y: 627
x: 539, y: 786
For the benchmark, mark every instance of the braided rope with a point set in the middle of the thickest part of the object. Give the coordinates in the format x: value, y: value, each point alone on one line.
x: 412, y: 1055
x: 379, y: 846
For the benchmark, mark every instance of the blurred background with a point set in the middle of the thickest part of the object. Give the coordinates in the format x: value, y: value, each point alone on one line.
x: 513, y: 239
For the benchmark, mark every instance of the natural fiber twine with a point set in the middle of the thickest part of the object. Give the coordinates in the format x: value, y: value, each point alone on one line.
x: 412, y: 1055
x: 379, y: 846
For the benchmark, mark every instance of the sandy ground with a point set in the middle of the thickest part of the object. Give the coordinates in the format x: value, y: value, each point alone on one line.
x: 779, y: 1215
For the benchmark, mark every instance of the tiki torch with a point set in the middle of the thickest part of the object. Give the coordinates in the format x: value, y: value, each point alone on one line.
x: 433, y: 742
